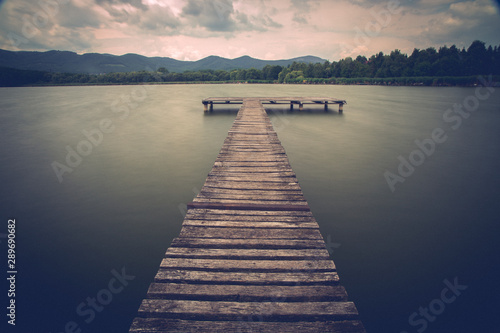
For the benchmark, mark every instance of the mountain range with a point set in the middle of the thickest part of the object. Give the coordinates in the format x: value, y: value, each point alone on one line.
x: 95, y: 63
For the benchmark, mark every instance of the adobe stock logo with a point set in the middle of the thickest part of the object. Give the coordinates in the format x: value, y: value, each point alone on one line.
x: 436, y: 307
x: 454, y: 118
x: 88, y: 309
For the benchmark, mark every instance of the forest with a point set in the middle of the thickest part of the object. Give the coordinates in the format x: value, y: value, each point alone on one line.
x: 447, y: 66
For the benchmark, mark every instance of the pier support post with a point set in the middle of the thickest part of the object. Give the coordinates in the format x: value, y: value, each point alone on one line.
x: 301, y: 107
x: 205, y: 107
x: 211, y: 106
x: 326, y: 106
x: 291, y: 106
x: 341, y: 107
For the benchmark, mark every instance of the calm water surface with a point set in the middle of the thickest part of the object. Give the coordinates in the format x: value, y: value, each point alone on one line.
x: 122, y: 204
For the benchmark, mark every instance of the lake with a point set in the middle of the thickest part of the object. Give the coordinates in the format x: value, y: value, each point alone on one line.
x: 404, y: 185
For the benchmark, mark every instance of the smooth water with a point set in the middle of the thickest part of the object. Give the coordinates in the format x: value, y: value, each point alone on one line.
x: 118, y: 207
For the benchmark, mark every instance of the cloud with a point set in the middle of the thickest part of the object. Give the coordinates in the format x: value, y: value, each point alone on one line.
x: 134, y: 3
x: 302, y: 9
x: 160, y: 20
x: 45, y: 26
x: 77, y: 16
x: 221, y: 16
x: 462, y: 23
x: 212, y: 15
x: 191, y: 29
x: 473, y: 9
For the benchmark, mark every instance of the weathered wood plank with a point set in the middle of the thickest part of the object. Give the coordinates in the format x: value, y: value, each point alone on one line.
x: 252, y: 192
x: 261, y: 195
x: 245, y: 146
x: 251, y: 324
x: 242, y: 224
x: 242, y: 293
x: 256, y: 174
x: 264, y: 205
x: 236, y: 265
x: 248, y: 254
x: 249, y: 218
x: 247, y: 278
x: 247, y: 164
x: 249, y: 177
x: 248, y: 186
x: 250, y: 203
x: 291, y: 311
x: 262, y: 213
x: 209, y: 232
x: 243, y: 243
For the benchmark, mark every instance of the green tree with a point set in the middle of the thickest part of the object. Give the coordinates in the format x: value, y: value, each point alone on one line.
x: 295, y: 77
x: 253, y: 74
x: 282, y: 75
x: 477, y: 61
x: 271, y: 72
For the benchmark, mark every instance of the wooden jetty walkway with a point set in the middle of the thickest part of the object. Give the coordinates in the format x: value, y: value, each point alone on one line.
x: 300, y: 101
x: 250, y: 256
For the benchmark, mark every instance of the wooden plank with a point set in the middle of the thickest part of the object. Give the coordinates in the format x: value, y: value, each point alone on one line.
x: 247, y: 278
x: 264, y: 156
x: 249, y: 218
x: 253, y: 170
x: 270, y: 206
x: 265, y: 164
x: 262, y: 213
x: 222, y: 196
x: 209, y: 232
x: 242, y: 185
x: 251, y: 159
x: 243, y: 243
x: 291, y: 311
x: 244, y: 224
x: 236, y: 265
x: 251, y: 324
x: 257, y: 177
x: 252, y: 192
x: 242, y: 293
x: 250, y: 203
x: 248, y: 254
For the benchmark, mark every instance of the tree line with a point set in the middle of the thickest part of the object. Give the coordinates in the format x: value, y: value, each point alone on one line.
x: 445, y: 66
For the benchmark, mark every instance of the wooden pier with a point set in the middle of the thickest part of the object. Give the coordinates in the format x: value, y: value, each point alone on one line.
x: 300, y: 101
x: 249, y: 257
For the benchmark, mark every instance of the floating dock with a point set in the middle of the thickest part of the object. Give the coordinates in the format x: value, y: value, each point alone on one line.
x: 250, y: 256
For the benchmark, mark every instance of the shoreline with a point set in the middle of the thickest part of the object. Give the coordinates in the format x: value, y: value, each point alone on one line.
x: 385, y: 82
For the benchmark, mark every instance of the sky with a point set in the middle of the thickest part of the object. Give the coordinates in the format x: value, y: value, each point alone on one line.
x: 264, y: 29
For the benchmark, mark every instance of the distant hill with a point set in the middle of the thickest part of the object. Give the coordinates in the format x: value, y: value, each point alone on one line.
x: 94, y: 63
